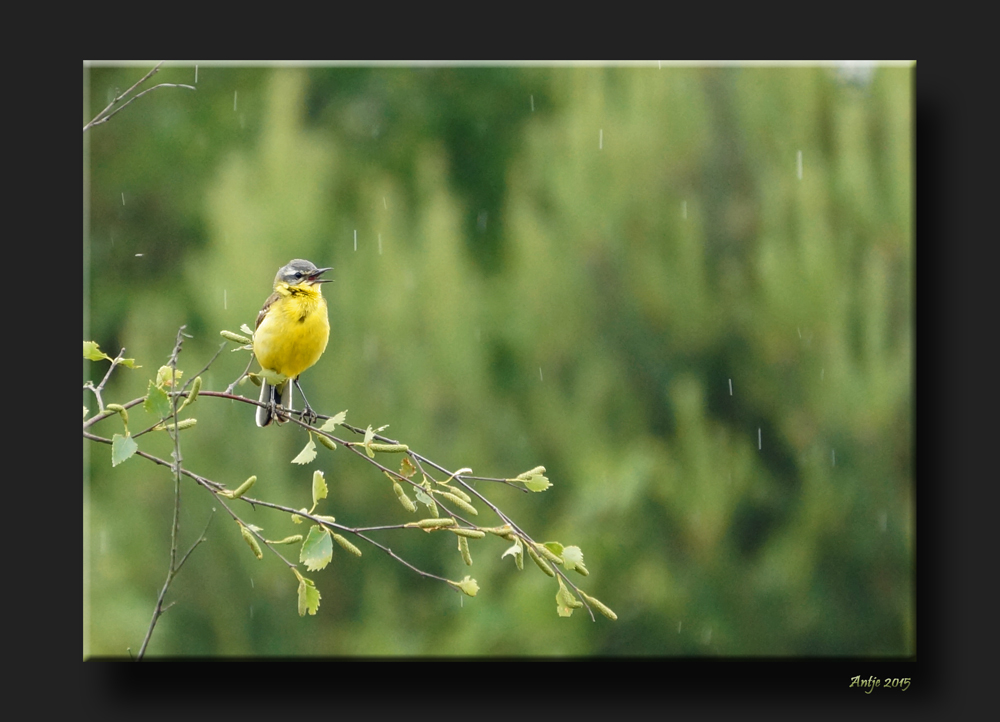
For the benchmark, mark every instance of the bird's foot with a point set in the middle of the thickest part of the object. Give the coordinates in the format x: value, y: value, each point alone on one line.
x: 309, y: 416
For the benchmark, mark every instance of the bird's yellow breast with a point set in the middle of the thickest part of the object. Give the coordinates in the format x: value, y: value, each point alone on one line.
x: 293, y: 334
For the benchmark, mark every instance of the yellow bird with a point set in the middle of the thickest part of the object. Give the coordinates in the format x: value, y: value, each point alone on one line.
x: 291, y: 334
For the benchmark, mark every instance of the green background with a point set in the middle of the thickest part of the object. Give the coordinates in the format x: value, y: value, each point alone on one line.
x: 615, y: 272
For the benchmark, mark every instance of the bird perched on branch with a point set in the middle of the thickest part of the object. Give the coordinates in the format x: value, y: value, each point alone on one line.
x: 291, y: 334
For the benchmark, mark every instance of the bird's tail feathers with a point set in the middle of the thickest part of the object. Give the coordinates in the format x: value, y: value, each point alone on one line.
x: 273, y: 394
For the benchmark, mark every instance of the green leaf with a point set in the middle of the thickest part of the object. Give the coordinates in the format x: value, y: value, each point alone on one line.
x: 93, y: 352
x: 369, y: 435
x: 157, y: 402
x: 538, y: 482
x: 330, y: 424
x: 467, y: 585
x: 319, y: 486
x: 317, y: 549
x: 534, y: 480
x: 308, y: 596
x: 424, y: 498
x: 518, y: 551
x: 573, y: 559
x: 407, y: 469
x: 307, y: 454
x: 565, y: 601
x: 122, y: 447
x: 165, y: 376
x: 554, y: 547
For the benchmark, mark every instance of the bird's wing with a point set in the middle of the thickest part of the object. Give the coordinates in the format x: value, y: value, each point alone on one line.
x: 267, y: 305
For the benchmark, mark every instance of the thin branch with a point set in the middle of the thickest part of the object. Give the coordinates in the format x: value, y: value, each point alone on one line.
x: 100, y: 387
x: 102, y: 118
x: 232, y: 386
x: 144, y: 78
x: 160, y: 609
x: 208, y: 483
x: 357, y: 448
x: 172, y: 567
x: 200, y: 539
x: 204, y: 368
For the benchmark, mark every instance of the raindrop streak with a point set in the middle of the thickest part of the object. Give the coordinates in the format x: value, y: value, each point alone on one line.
x: 600, y: 139
x: 679, y: 626
x: 659, y: 65
x: 800, y: 164
x: 684, y: 210
x: 123, y: 197
x: 251, y: 582
x: 758, y: 439
x: 355, y: 239
x: 540, y: 378
x: 799, y: 330
x: 196, y: 74
x: 730, y: 387
x: 532, y: 103
x: 380, y: 244
x: 234, y: 101
x: 384, y: 205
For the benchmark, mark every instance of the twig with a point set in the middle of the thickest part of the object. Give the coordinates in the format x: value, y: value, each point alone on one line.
x: 102, y: 118
x: 100, y: 387
x: 232, y: 386
x: 160, y: 609
x: 356, y: 447
x: 173, y: 567
x: 203, y: 368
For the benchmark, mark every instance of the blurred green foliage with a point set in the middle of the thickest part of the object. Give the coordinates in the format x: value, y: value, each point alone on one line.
x: 617, y: 272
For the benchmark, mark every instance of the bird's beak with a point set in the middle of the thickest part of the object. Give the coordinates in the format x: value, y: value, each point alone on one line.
x: 314, y: 277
